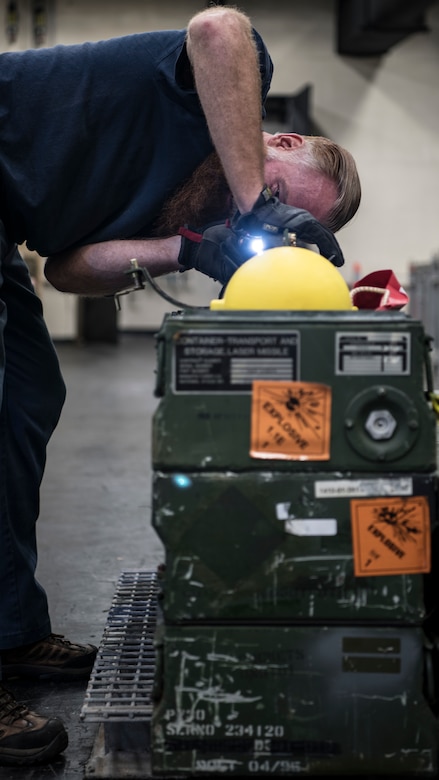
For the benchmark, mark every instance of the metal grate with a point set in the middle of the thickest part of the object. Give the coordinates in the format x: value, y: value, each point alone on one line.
x: 121, y: 682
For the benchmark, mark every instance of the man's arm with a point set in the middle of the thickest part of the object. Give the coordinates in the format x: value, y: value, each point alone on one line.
x: 225, y: 64
x: 100, y: 269
x: 224, y: 59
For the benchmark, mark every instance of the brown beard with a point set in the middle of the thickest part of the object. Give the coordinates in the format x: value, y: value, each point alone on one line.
x: 205, y: 197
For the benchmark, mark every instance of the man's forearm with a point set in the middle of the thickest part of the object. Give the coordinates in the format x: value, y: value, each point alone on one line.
x: 100, y: 269
x: 226, y: 71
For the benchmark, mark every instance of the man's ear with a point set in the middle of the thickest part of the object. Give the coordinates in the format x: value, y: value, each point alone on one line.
x: 287, y: 141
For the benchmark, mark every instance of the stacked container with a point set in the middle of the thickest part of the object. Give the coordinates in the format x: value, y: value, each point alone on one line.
x: 295, y: 488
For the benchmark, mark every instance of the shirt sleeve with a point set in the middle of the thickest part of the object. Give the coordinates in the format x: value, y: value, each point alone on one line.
x: 265, y: 66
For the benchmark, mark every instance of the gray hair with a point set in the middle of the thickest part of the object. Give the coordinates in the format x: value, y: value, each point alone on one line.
x: 339, y: 166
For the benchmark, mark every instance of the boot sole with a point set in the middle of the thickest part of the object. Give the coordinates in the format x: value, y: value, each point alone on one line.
x: 10, y: 757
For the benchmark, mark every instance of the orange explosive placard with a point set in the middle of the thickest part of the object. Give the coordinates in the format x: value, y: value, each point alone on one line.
x: 390, y: 536
x: 290, y: 420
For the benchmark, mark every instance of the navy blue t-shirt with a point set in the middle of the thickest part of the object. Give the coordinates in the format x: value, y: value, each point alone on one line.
x: 95, y: 137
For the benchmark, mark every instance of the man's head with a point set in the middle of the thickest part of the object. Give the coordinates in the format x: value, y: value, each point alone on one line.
x: 313, y: 173
x: 310, y: 172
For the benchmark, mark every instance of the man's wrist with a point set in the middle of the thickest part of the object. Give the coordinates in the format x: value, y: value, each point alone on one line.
x: 264, y: 196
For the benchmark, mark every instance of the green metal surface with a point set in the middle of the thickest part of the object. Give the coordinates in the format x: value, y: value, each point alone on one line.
x: 293, y: 701
x: 373, y: 361
x: 275, y: 654
x: 231, y: 553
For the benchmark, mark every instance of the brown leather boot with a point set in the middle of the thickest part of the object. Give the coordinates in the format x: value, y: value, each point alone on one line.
x: 52, y: 658
x: 25, y: 737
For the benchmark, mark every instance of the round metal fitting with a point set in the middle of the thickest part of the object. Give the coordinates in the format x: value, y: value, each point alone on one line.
x: 380, y: 424
x: 386, y: 423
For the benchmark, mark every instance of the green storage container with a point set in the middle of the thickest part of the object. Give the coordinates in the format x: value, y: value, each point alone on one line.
x: 373, y: 362
x: 297, y: 585
x: 343, y: 700
x: 270, y: 546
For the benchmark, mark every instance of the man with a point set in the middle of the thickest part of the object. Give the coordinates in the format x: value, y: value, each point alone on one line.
x: 313, y: 173
x: 102, y: 150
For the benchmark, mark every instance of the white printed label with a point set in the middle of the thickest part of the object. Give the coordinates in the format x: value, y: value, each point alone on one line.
x: 372, y: 353
x: 358, y: 488
x: 312, y: 527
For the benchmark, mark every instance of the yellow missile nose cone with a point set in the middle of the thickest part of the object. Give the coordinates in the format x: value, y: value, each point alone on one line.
x: 286, y: 278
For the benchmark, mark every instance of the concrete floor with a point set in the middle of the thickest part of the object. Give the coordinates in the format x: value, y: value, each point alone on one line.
x: 95, y: 516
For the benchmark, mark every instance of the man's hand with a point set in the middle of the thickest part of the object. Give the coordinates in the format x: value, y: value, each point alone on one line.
x: 219, y: 250
x: 270, y: 218
x: 214, y: 251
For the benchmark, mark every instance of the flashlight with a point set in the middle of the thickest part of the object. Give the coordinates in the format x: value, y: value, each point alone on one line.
x: 257, y: 245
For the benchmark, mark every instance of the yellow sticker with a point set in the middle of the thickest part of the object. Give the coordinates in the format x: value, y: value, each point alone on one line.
x: 390, y: 536
x: 290, y: 420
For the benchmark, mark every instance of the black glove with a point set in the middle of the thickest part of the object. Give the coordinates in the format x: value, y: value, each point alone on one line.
x: 270, y: 219
x: 219, y: 249
x: 215, y: 251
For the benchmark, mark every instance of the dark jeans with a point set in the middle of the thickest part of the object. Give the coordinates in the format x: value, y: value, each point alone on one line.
x: 32, y: 394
